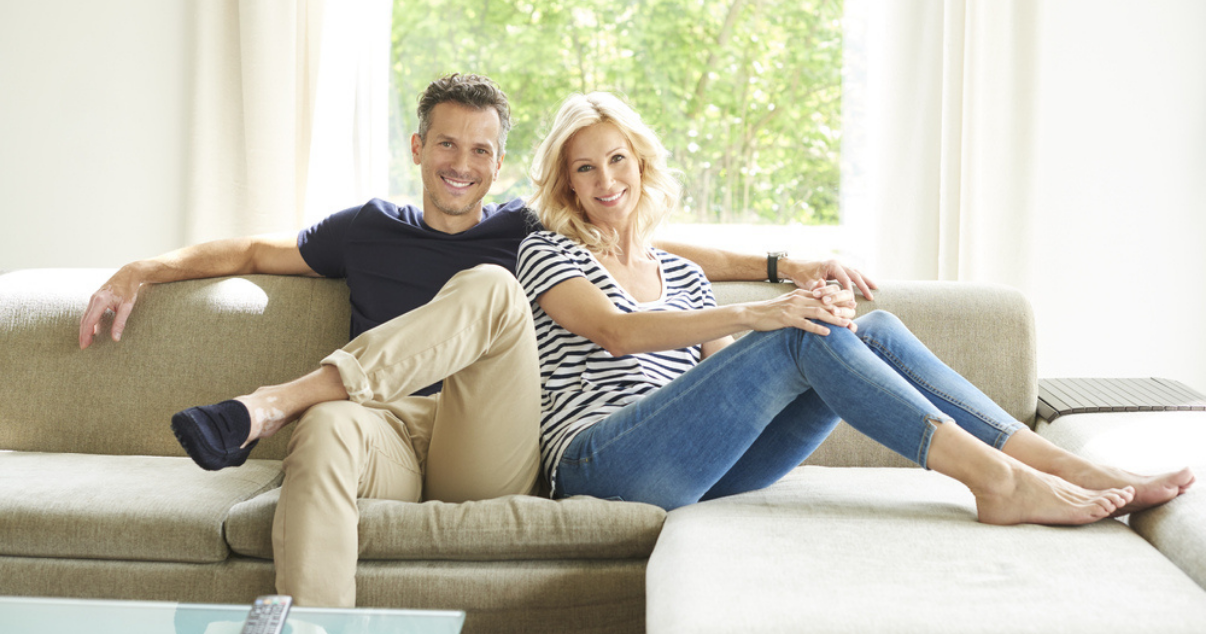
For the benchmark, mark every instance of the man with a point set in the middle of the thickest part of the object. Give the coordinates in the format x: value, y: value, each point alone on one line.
x: 433, y: 299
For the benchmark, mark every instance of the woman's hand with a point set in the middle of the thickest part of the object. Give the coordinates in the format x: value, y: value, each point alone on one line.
x: 797, y: 308
x: 833, y: 295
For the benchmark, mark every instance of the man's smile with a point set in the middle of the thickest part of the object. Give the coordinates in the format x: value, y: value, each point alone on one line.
x: 457, y: 183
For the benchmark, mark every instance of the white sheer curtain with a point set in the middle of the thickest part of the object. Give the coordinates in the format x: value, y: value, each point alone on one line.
x: 290, y: 119
x: 945, y: 104
x: 1051, y: 145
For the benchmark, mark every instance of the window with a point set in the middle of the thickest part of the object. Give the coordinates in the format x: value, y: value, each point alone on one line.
x: 745, y: 94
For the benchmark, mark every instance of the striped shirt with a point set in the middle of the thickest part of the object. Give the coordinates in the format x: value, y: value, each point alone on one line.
x: 581, y: 382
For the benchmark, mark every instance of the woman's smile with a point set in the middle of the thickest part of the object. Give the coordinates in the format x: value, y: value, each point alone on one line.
x: 608, y: 200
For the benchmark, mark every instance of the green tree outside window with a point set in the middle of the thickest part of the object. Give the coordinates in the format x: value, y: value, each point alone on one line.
x: 745, y: 93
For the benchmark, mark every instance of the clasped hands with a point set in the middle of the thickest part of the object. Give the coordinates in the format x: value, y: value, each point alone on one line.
x: 815, y: 299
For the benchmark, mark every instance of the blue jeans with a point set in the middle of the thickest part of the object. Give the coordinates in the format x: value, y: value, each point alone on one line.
x: 752, y: 412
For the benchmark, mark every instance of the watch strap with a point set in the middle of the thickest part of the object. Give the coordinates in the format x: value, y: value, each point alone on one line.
x: 772, y: 265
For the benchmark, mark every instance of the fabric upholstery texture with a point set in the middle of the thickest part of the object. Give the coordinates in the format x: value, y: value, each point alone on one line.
x: 506, y: 528
x: 1149, y: 442
x: 186, y: 344
x: 231, y: 581
x: 146, y: 508
x: 538, y: 597
x: 900, y: 550
x: 532, y: 596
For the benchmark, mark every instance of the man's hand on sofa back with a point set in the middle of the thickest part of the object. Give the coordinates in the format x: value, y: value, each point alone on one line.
x: 273, y: 254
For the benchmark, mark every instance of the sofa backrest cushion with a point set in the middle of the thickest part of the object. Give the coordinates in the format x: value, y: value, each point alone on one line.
x: 188, y: 343
x: 198, y: 342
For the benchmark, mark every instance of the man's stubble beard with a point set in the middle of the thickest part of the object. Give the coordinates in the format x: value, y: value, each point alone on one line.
x: 457, y: 212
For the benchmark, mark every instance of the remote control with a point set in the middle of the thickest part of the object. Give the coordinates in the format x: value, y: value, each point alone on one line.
x: 268, y: 614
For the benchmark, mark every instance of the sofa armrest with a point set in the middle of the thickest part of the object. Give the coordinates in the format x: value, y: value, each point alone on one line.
x: 1080, y: 396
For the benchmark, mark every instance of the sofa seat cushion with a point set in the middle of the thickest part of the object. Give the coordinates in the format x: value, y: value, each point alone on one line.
x: 506, y: 528
x: 1149, y: 442
x: 145, y: 508
x: 900, y: 550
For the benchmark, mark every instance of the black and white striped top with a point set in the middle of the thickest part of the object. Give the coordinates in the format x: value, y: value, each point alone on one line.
x: 581, y: 382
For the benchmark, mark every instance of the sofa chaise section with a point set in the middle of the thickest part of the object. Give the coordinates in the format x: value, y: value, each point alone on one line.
x: 900, y: 550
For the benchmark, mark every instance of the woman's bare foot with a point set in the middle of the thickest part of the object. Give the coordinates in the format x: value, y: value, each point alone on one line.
x: 1027, y: 496
x: 1009, y: 491
x: 1037, y: 452
x: 1149, y: 490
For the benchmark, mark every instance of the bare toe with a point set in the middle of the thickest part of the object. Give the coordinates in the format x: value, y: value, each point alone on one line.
x: 1188, y: 483
x: 1156, y: 490
x: 1148, y: 491
x: 1122, y: 497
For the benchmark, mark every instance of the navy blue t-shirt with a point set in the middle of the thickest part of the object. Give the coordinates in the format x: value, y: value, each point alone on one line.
x: 393, y: 262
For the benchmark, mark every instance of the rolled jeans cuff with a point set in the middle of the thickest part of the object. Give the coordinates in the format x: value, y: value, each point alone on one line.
x: 355, y: 381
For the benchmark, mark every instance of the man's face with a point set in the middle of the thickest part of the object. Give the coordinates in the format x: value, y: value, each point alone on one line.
x: 460, y: 158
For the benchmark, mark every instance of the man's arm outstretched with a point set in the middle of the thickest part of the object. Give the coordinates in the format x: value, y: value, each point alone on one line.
x: 720, y: 265
x: 274, y: 254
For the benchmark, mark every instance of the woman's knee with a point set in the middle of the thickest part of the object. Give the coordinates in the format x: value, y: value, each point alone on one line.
x: 878, y: 320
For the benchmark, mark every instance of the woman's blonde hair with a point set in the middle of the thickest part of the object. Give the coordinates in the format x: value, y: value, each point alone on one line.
x: 557, y: 204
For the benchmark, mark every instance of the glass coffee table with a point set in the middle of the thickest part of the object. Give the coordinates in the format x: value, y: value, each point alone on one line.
x: 21, y: 615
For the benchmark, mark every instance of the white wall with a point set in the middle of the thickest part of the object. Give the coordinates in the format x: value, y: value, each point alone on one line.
x: 1119, y: 208
x: 94, y: 111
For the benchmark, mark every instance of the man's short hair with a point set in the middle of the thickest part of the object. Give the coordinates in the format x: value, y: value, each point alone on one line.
x: 473, y: 91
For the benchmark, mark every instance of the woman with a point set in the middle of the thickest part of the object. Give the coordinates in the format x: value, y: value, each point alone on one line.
x: 647, y: 398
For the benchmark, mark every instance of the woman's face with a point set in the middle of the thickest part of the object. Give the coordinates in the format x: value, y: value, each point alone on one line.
x: 604, y: 172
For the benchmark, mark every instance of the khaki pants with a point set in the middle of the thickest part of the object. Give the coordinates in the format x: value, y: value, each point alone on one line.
x: 476, y: 439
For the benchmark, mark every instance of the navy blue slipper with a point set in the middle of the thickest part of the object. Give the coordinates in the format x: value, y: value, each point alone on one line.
x: 211, y: 434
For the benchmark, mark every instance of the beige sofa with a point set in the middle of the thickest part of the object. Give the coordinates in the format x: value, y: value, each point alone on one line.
x: 96, y: 499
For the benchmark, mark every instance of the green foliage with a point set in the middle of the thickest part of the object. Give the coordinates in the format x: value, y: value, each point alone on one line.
x: 745, y: 93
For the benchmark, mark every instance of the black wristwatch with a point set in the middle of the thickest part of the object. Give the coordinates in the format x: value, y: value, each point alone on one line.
x: 772, y: 264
